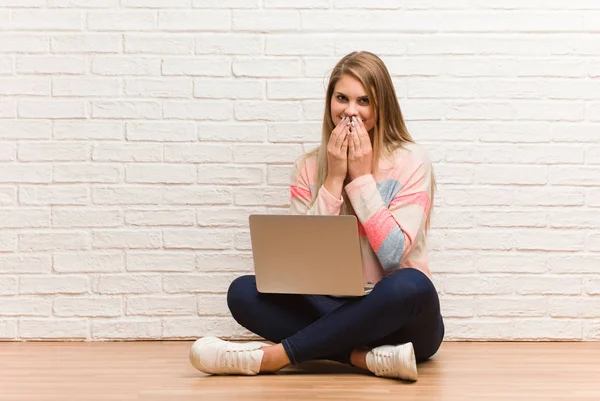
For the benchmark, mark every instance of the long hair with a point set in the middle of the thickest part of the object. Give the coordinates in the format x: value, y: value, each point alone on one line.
x: 389, y: 132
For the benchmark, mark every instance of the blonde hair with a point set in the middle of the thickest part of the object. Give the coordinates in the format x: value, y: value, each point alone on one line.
x: 389, y: 132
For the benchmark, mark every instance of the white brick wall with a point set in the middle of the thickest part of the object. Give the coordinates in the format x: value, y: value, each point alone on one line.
x: 137, y: 135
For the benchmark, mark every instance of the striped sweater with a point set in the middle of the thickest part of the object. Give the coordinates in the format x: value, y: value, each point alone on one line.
x: 391, y: 206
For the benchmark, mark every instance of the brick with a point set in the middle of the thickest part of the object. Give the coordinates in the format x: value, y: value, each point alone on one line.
x: 8, y: 329
x: 158, y: 44
x: 83, y: 3
x: 160, y: 305
x: 88, y: 306
x: 293, y: 45
x: 161, y: 131
x: 478, y: 285
x: 309, y: 4
x: 451, y: 261
x: 88, y: 130
x: 86, y: 173
x: 127, y: 152
x: 191, y: 20
x: 573, y: 264
x: 242, y: 240
x: 92, y: 43
x: 9, y: 285
x: 198, y: 110
x: 121, y: 109
x: 227, y: 132
x: 121, y: 21
x: 86, y: 217
x: 25, y: 264
x: 8, y: 152
x: 126, y: 195
x: 89, y: 262
x: 126, y: 239
x: 54, y: 241
x: 192, y: 328
x: 156, y: 3
x: 226, y: 217
x: 266, y: 67
x: 297, y: 89
x: 279, y: 175
x: 511, y: 175
x: 512, y: 219
x: 159, y: 88
x: 575, y: 175
x: 50, y: 65
x: 197, y: 195
x: 175, y: 217
x: 270, y: 111
x: 213, y: 305
x: 262, y: 196
x: 224, y: 261
x: 54, y: 195
x: 226, y: 3
x: 265, y: 21
x: 160, y: 261
x: 514, y: 329
x: 22, y: 306
x: 490, y: 239
x: 453, y: 218
x: 198, y: 66
x: 54, y: 109
x: 197, y: 153
x: 8, y: 196
x: 548, y: 240
x: 149, y: 329
x: 24, y: 86
x: 38, y: 173
x: 197, y: 239
x: 77, y: 87
x: 230, y: 174
x: 574, y: 219
x: 30, y: 43
x: 457, y: 307
x: 294, y: 132
x: 549, y: 196
x: 54, y: 20
x: 213, y: 283
x: 228, y: 43
x: 24, y: 218
x: 548, y: 285
x: 228, y: 89
x: 126, y: 284
x: 160, y: 174
x: 53, y: 151
x: 125, y: 65
x: 574, y: 307
x: 53, y: 329
x: 53, y: 285
x: 512, y: 307
x: 511, y: 262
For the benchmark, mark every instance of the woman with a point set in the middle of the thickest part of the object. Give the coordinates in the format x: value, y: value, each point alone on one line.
x: 367, y: 165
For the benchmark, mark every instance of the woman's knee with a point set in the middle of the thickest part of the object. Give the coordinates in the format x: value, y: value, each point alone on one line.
x: 410, y: 284
x: 239, y: 292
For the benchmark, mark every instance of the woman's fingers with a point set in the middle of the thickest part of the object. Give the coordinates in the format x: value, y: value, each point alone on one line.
x: 341, y: 137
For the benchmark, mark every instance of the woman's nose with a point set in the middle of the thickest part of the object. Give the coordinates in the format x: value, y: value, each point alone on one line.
x: 351, y: 110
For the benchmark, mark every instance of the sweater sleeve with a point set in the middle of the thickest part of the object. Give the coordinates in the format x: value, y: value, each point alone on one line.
x: 301, y: 192
x: 393, y: 225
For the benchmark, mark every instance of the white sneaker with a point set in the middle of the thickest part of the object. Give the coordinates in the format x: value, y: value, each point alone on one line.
x: 215, y: 356
x: 396, y: 361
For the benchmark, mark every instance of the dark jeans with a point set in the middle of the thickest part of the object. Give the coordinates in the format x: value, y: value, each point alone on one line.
x: 402, y: 307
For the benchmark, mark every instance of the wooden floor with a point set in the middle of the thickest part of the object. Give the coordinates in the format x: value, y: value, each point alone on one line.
x: 161, y: 371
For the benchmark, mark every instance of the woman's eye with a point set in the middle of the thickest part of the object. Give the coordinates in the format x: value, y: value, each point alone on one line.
x: 341, y: 98
x: 364, y: 101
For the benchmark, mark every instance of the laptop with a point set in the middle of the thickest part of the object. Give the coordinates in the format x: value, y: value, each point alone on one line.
x: 298, y: 254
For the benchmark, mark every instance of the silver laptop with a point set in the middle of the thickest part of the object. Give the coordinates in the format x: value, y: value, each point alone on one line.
x: 296, y: 254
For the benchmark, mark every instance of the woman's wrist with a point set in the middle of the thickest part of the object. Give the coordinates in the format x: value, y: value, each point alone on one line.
x: 334, y: 186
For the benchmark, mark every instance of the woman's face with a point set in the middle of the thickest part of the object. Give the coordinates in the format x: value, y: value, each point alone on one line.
x: 350, y: 99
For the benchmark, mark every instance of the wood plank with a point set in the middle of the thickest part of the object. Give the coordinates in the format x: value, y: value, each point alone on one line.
x: 124, y: 371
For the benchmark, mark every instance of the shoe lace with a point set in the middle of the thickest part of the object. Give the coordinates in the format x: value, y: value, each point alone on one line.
x: 234, y: 359
x: 383, y: 361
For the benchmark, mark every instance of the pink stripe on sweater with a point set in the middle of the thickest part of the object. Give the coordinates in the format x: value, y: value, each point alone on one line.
x: 419, y: 198
x: 379, y: 226
x: 297, y: 192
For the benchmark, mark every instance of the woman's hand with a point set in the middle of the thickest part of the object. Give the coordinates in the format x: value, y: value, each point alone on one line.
x: 360, y: 151
x: 337, y: 151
